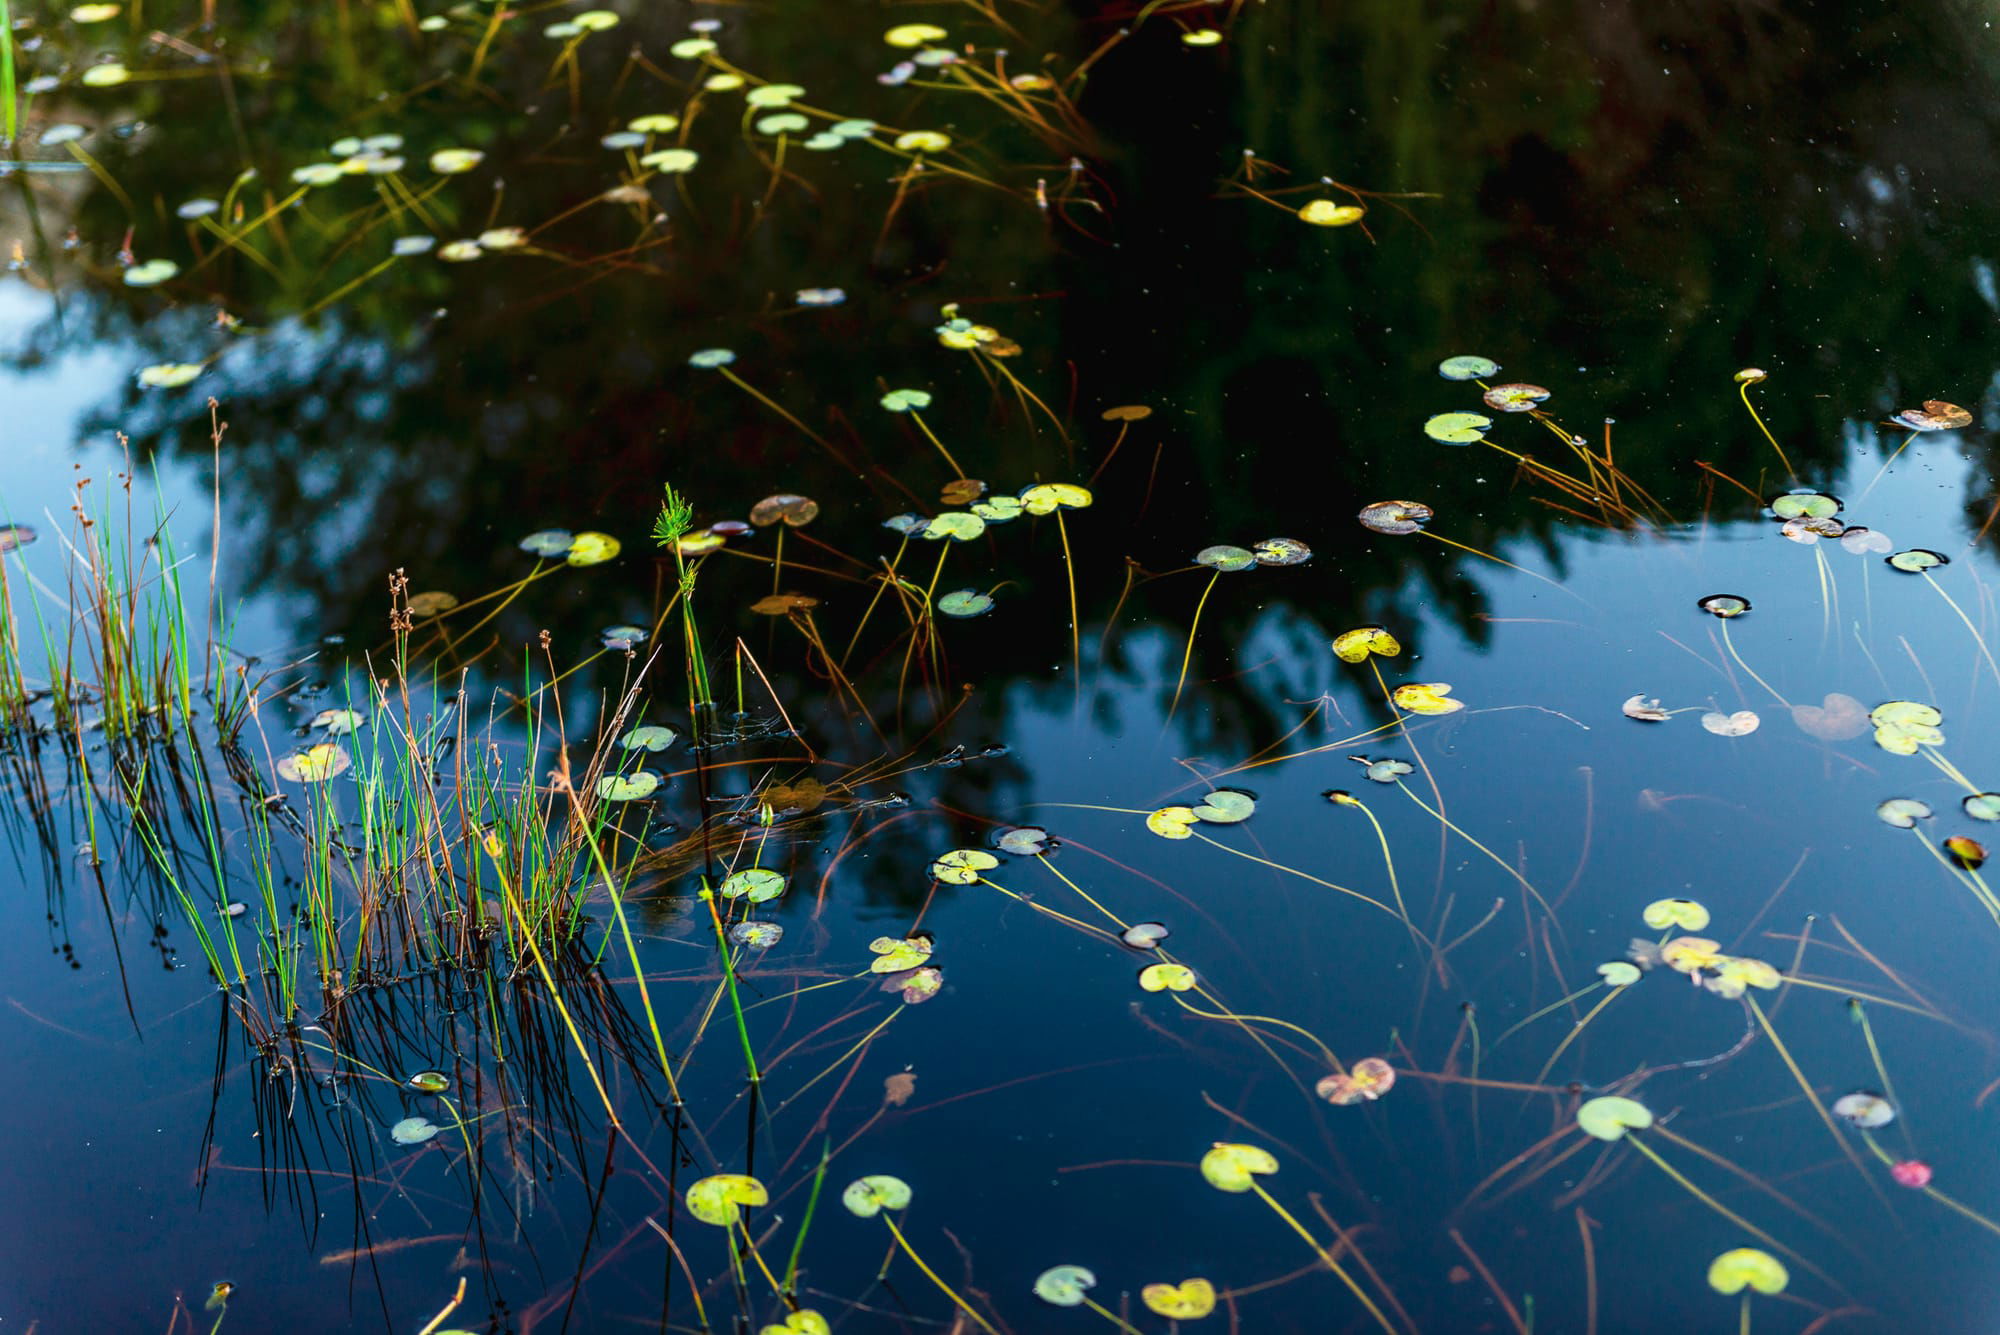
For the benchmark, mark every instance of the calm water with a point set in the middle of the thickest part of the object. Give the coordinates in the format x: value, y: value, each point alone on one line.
x: 1623, y: 203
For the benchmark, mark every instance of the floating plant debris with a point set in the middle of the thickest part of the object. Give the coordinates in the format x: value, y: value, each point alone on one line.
x: 1935, y: 415
x: 1515, y: 398
x: 1396, y: 517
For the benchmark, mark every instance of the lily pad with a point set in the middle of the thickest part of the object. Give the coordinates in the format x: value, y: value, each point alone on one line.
x: 1983, y: 806
x: 1166, y: 978
x: 774, y: 95
x: 999, y: 509
x: 895, y: 954
x: 1516, y: 398
x: 1225, y: 558
x: 1865, y: 1109
x: 1354, y: 646
x: 1740, y: 724
x: 965, y: 603
x: 1747, y: 1267
x: 756, y: 935
x: 1838, y: 718
x: 1610, y: 1117
x: 1860, y: 541
x: 923, y: 141
x: 1686, y: 914
x: 869, y: 1196
x: 805, y: 1321
x: 1426, y: 697
x: 756, y: 884
x: 1144, y: 935
x: 1645, y: 709
x: 1229, y: 1167
x: 1367, y: 1080
x: 169, y: 375
x: 1048, y: 497
x: 429, y: 1082
x: 1322, y: 212
x: 958, y: 525
x: 314, y: 764
x: 1172, y: 822
x: 1724, y: 605
x: 718, y: 1200
x: 648, y: 737
x: 1395, y: 517
x: 1226, y: 806
x: 338, y: 722
x: 1023, y: 841
x: 1618, y: 973
x: 627, y: 787
x: 1917, y: 560
x: 151, y: 273
x: 432, y: 602
x: 589, y: 549
x: 1805, y: 505
x: 1281, y: 552
x: 1189, y: 1300
x: 1064, y: 1285
x: 1458, y: 428
x: 1467, y: 367
x: 452, y: 161
x: 1935, y: 415
x: 671, y: 161
x: 1386, y: 771
x: 622, y: 637
x: 1966, y: 852
x: 906, y: 400
x: 412, y: 1131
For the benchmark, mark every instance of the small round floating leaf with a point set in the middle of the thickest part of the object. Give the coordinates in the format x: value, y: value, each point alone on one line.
x: 1426, y: 697
x: 1458, y: 428
x: 1809, y: 531
x: 1750, y: 375
x: 1645, y: 709
x: 1860, y: 541
x: 1865, y: 1109
x: 1368, y: 1080
x: 459, y: 252
x: 1231, y: 1167
x: 1901, y: 726
x: 1747, y: 1267
x: 1166, y: 978
x: 1734, y: 974
x: 1022, y: 841
x: 108, y: 75
x: 627, y: 787
x: 690, y: 48
x: 671, y: 160
x: 451, y: 161
x: 1281, y: 552
x: 1203, y: 37
x: 412, y: 1131
x: 168, y: 375
x: 1326, y: 213
x: 869, y: 1196
x: 502, y: 238
x: 338, y: 722
x: 1983, y: 806
x: 1685, y: 914
x: 1387, y: 771
x: 151, y: 273
x: 756, y: 935
x: 1226, y: 806
x: 1691, y: 954
x: 774, y: 95
x: 591, y: 549
x: 1903, y: 812
x: 315, y: 764
x: 1805, y: 505
x: 1966, y: 852
x: 194, y: 208
x: 1839, y: 718
x: 958, y: 525
x: 783, y: 604
x: 1610, y: 1117
x: 965, y: 603
x: 1395, y: 517
x: 917, y: 985
x: 909, y: 35
x: 785, y: 122
x: 1189, y: 1300
x: 1354, y: 646
x: 1126, y: 412
x: 852, y: 129
x: 1935, y: 415
x: 709, y: 359
x: 923, y: 141
x: 657, y: 123
x: 432, y: 602
x: 1514, y: 398
x: 1618, y: 973
x: 1225, y: 558
x: 756, y: 884
x: 1724, y: 605
x: 1048, y: 497
x: 620, y: 140
x: 1467, y: 367
x: 906, y: 400
x: 595, y: 20
x: 722, y: 83
x: 794, y: 511
x: 906, y: 524
x: 1917, y: 560
x: 549, y: 542
x: 94, y: 13
x: 1172, y: 822
x: 962, y: 866
x: 1144, y: 935
x: 429, y: 1082
x: 999, y: 509
x: 719, y: 1200
x: 700, y: 544
x: 1064, y: 1285
x: 406, y: 246
x: 805, y: 1321
x: 622, y: 637
x: 1740, y: 724
x: 962, y: 491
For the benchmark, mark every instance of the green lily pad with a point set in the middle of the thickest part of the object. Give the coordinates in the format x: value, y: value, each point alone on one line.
x: 756, y: 935
x: 412, y: 1131
x: 1458, y: 428
x: 869, y: 1196
x: 1983, y: 806
x: 627, y: 787
x: 1226, y: 806
x: 999, y: 509
x: 1467, y: 367
x: 1232, y: 1167
x: 1023, y: 841
x: 1064, y: 1285
x: 1917, y: 560
x: 965, y: 603
x: 1281, y: 552
x: 1225, y: 558
x: 785, y: 122
x: 962, y: 866
x: 756, y: 884
x: 711, y: 359
x: 894, y: 955
x: 548, y: 542
x: 1610, y: 1117
x: 151, y: 273
x: 958, y: 525
x: 648, y: 737
x: 719, y: 1200
x: 1805, y: 505
x: 906, y: 400
x: 774, y: 95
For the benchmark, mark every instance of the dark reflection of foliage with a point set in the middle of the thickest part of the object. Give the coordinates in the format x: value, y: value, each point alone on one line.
x: 1657, y: 230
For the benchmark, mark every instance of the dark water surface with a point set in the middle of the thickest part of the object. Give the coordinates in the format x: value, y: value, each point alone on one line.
x: 1623, y: 203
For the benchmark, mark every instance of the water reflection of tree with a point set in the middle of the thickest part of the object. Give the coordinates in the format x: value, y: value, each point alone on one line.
x: 1654, y: 230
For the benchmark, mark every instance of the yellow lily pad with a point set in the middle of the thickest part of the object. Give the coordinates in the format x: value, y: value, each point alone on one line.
x: 1354, y: 646
x: 1685, y: 914
x: 962, y: 866
x: 1747, y: 1267
x: 1166, y: 978
x: 1172, y: 822
x: 1231, y: 1167
x: 1426, y: 697
x: 719, y: 1200
x: 1189, y: 1300
x: 1610, y: 1117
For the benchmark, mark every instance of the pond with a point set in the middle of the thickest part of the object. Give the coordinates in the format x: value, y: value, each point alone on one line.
x: 1167, y: 665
